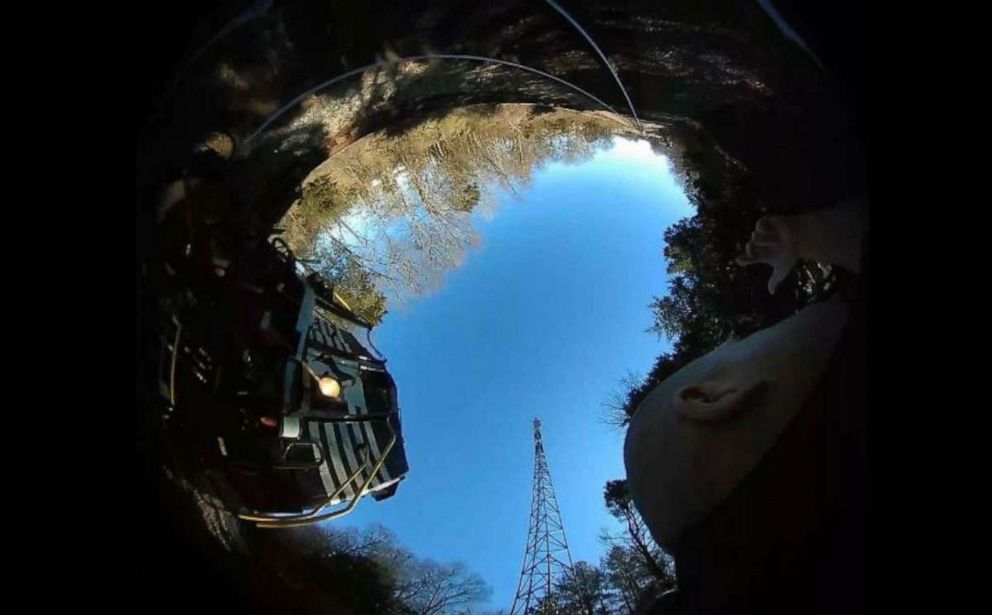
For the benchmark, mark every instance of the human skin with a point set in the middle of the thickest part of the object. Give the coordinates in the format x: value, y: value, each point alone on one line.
x: 700, y: 431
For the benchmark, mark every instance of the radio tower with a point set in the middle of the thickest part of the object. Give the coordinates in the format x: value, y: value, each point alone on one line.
x: 546, y: 559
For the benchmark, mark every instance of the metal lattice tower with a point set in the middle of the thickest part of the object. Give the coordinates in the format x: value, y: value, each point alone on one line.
x: 546, y: 559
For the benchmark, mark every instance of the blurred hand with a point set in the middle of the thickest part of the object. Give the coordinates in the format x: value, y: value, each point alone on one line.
x: 774, y: 242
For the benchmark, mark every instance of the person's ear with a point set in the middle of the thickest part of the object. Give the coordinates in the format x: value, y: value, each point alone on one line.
x: 713, y: 401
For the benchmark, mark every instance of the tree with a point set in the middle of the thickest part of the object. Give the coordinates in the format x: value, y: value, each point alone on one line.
x: 710, y: 297
x: 391, y: 214
x: 370, y: 572
x: 584, y: 591
x: 357, y: 287
x: 304, y: 571
x: 627, y: 583
x: 615, y: 405
x: 428, y: 587
x: 621, y: 507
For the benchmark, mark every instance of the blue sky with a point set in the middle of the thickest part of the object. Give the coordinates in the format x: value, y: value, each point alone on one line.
x: 541, y: 320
